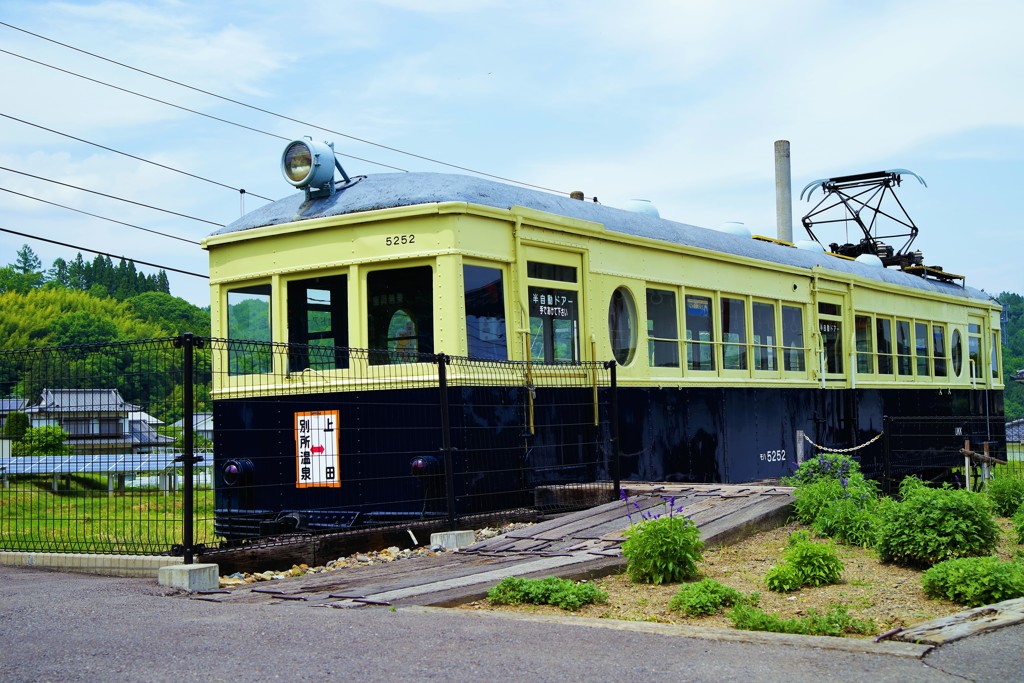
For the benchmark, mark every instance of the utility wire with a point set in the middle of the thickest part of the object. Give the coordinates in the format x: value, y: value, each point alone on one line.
x: 110, y: 196
x: 280, y: 116
x: 70, y: 208
x: 103, y: 253
x: 178, y: 106
x: 132, y: 156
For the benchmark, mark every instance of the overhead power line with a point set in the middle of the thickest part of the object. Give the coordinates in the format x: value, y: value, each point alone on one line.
x: 103, y: 253
x: 110, y: 196
x: 280, y: 116
x: 70, y: 208
x: 132, y: 156
x: 177, y: 106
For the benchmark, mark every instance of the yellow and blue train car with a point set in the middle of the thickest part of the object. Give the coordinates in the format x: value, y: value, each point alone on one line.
x: 726, y: 347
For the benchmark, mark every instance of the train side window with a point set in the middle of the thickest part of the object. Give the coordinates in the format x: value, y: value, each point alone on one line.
x: 554, y: 325
x: 622, y: 330
x: 793, y: 339
x: 939, y: 350
x: 956, y: 350
x: 550, y: 271
x: 764, y: 336
x: 994, y: 355
x: 865, y: 363
x: 400, y: 314
x: 485, y: 313
x: 699, y: 333
x: 974, y: 348
x: 734, y: 334
x: 903, y: 358
x: 248, y: 310
x: 662, y: 329
x: 883, y: 342
x: 318, y: 317
x: 830, y: 325
x: 921, y: 348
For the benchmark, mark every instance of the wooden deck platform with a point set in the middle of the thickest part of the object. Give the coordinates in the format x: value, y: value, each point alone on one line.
x: 581, y: 544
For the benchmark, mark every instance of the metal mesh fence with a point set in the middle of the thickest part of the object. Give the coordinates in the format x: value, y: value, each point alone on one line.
x: 933, y: 448
x: 89, y: 455
x: 332, y: 440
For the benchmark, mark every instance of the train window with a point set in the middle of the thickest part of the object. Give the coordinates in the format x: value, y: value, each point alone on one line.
x: 903, y: 359
x: 939, y: 350
x: 957, y: 351
x: 921, y: 348
x: 554, y: 325
x: 622, y: 330
x: 764, y: 336
x: 830, y: 325
x: 734, y: 334
x: 485, y: 313
x: 400, y: 315
x: 699, y: 330
x: 550, y: 271
x: 829, y: 309
x: 994, y: 355
x: 662, y: 329
x: 793, y: 339
x: 974, y: 349
x: 248, y: 311
x: 883, y: 345
x: 318, y: 317
x: 862, y: 328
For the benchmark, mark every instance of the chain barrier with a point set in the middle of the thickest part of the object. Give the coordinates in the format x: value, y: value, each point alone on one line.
x: 844, y: 450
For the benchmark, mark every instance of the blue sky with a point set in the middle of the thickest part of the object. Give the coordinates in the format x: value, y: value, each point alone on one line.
x: 676, y: 102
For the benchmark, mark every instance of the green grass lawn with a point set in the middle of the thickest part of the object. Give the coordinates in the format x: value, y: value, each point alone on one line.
x: 85, y: 517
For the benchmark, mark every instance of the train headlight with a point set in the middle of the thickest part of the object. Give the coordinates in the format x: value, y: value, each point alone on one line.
x: 309, y: 165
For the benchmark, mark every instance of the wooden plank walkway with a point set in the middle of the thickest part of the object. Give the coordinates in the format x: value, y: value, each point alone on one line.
x: 583, y: 543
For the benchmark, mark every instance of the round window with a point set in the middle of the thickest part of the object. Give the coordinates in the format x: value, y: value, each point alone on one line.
x: 622, y: 326
x: 957, y: 351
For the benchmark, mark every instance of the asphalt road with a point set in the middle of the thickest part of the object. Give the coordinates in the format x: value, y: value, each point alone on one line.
x: 74, y: 627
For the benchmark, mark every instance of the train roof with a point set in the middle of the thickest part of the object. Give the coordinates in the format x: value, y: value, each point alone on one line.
x: 390, y: 190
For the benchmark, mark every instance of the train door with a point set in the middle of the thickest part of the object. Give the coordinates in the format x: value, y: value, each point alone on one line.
x: 831, y: 330
x: 554, y: 293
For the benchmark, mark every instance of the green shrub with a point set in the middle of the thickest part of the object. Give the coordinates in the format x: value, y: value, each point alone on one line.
x: 975, y: 581
x: 704, y: 598
x: 569, y: 595
x: 850, y: 521
x: 836, y: 622
x: 817, y: 563
x: 824, y: 466
x: 1018, y: 525
x: 1006, y: 494
x: 783, y: 578
x: 932, y: 525
x: 662, y: 550
x: 805, y: 563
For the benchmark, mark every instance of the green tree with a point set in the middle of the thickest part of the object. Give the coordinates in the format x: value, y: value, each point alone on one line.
x: 58, y: 274
x: 83, y: 327
x: 47, y: 440
x: 27, y: 262
x: 16, y: 425
x: 173, y: 313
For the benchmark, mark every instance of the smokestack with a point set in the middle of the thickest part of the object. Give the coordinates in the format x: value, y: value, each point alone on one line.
x: 783, y: 192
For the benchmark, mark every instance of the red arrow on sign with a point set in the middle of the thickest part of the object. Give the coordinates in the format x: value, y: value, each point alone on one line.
x: 317, y: 449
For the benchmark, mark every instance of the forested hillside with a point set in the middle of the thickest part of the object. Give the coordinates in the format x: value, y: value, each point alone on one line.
x: 1013, y: 352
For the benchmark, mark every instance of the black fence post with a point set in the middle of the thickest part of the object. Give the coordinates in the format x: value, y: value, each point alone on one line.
x: 187, y: 457
x: 446, y: 437
x: 613, y: 417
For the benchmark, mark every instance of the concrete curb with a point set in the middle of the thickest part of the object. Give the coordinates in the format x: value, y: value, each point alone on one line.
x: 126, y: 566
x: 852, y: 645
